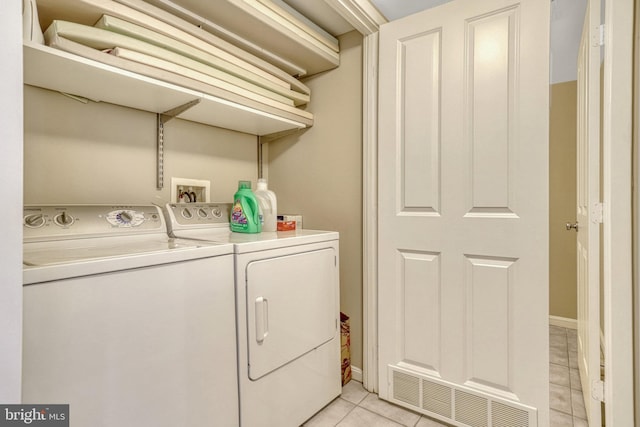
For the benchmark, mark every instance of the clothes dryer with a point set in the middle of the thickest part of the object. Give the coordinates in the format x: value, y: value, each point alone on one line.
x: 126, y: 325
x: 287, y: 302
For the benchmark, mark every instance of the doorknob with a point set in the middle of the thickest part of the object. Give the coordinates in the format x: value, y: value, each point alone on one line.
x: 572, y: 226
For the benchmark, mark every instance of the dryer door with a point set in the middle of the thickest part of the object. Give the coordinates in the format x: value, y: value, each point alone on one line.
x: 292, y: 307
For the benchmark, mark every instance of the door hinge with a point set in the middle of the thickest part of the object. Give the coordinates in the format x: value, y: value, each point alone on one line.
x: 597, y: 215
x: 597, y: 390
x: 598, y: 36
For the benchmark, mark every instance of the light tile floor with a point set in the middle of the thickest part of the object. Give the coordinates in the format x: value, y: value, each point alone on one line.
x: 565, y: 392
x: 356, y: 407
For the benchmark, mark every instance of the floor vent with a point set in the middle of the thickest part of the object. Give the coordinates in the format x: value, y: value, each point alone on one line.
x: 471, y: 410
x: 457, y: 405
x: 436, y: 398
x: 508, y: 416
x: 407, y: 388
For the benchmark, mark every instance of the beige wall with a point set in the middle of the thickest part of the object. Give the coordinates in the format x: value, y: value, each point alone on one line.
x: 562, y: 201
x: 318, y: 173
x: 102, y: 153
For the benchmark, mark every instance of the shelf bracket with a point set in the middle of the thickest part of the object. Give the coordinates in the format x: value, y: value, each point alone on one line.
x: 263, y: 139
x: 277, y: 135
x: 161, y: 119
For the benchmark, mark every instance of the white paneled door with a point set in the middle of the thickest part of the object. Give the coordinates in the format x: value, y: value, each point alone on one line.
x: 589, y: 212
x: 463, y: 212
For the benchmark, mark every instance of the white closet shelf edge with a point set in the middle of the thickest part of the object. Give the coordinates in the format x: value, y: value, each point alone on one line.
x: 57, y: 70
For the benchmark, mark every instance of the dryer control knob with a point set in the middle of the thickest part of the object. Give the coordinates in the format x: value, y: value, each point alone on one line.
x: 202, y: 213
x: 186, y: 213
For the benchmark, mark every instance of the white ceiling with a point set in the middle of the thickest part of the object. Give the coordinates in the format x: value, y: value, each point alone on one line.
x: 394, y: 9
x: 566, y: 25
x: 322, y: 14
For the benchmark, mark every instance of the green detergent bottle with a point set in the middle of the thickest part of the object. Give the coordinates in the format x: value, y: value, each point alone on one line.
x: 245, y: 214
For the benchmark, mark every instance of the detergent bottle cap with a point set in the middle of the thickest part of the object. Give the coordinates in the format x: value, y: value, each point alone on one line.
x: 262, y: 184
x: 244, y: 184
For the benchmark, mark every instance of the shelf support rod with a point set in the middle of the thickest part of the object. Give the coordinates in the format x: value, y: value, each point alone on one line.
x: 161, y: 119
x: 260, y: 165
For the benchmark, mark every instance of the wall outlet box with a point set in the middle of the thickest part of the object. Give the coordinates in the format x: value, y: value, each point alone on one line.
x: 187, y: 190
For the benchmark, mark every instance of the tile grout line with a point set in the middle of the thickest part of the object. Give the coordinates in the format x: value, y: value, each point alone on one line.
x: 348, y: 412
x: 566, y: 339
x: 382, y: 416
x: 359, y: 405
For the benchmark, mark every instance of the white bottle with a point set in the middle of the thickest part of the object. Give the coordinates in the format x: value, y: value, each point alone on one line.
x: 268, y: 206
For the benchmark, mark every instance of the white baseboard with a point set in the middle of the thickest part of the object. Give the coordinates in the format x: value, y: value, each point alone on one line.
x: 356, y: 373
x: 563, y: 322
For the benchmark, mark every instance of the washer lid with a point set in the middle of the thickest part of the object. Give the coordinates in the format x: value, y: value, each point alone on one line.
x: 45, y: 261
x: 70, y: 251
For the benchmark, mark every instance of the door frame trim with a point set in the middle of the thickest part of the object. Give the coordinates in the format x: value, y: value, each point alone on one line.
x: 361, y: 14
x: 366, y: 19
x: 617, y: 190
x: 370, y: 213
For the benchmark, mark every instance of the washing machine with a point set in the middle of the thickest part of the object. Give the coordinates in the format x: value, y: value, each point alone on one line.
x: 126, y: 325
x: 287, y: 302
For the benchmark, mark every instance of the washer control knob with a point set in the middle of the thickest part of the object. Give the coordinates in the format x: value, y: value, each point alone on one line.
x: 34, y: 220
x: 125, y: 217
x: 63, y: 219
x: 186, y: 213
x: 216, y: 212
x: 202, y: 213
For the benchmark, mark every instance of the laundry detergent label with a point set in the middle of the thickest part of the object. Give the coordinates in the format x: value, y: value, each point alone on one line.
x: 244, y: 214
x: 238, y: 216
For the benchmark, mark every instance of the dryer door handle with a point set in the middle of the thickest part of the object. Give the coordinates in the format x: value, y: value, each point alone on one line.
x: 262, y: 319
